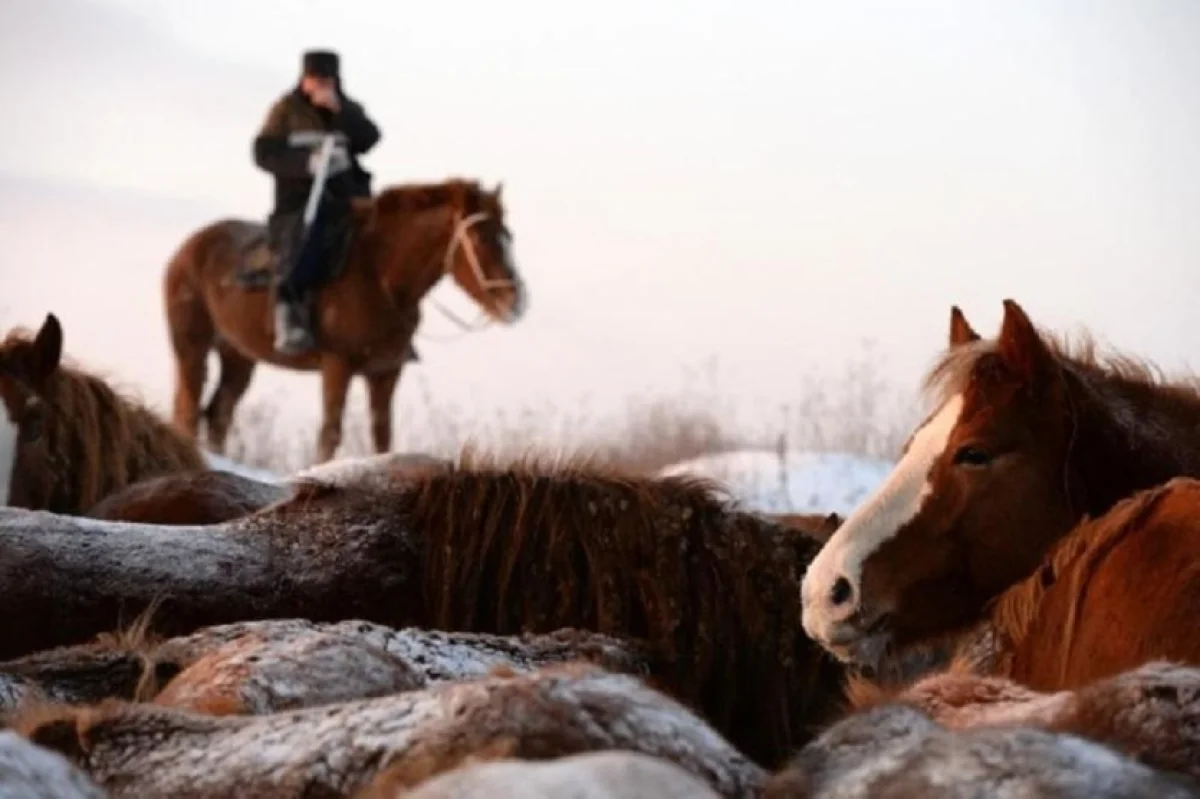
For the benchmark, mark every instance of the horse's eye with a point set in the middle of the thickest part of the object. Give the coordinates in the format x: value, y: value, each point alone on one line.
x: 971, y: 456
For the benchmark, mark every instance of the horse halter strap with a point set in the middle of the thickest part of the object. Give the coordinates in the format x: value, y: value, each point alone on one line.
x: 461, y: 238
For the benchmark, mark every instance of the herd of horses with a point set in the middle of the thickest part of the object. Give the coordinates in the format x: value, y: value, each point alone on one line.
x: 1011, y: 613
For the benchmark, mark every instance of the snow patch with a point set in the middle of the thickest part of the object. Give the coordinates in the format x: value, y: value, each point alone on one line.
x: 796, y: 482
x: 27, y: 769
x: 223, y: 464
x: 382, y: 469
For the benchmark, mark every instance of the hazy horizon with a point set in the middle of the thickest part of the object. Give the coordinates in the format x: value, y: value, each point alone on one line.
x: 763, y: 185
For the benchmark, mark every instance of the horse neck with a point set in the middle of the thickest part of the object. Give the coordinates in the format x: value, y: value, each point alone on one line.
x: 99, y: 443
x: 75, y: 439
x: 1126, y: 435
x: 410, y: 267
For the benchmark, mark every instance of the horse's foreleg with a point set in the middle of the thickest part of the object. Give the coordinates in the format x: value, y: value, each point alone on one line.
x: 381, y: 387
x: 335, y: 383
x: 190, y: 331
x: 189, y: 382
x: 191, y: 369
x: 236, y: 373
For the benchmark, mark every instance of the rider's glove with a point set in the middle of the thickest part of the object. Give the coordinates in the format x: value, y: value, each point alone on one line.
x: 339, y: 161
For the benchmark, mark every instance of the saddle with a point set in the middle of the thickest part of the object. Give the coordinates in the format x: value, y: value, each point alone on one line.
x: 258, y: 267
x: 258, y: 264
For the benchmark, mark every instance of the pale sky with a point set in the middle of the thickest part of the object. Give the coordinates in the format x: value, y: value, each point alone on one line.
x: 763, y: 183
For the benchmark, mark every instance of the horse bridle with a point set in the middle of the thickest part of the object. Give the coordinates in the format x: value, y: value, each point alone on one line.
x: 461, y: 237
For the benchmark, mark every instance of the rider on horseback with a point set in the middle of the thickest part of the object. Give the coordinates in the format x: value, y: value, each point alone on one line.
x: 289, y: 147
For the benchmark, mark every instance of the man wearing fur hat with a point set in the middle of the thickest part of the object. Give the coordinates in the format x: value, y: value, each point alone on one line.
x: 287, y: 146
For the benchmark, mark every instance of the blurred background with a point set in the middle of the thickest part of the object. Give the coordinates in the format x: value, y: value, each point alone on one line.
x: 742, y: 224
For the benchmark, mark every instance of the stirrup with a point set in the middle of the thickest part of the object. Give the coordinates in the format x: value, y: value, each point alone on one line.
x: 291, y: 338
x: 294, y: 341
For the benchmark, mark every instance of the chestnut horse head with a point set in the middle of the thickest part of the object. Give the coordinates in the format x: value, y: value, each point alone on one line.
x: 27, y: 367
x: 67, y: 438
x: 1026, y: 439
x: 479, y: 254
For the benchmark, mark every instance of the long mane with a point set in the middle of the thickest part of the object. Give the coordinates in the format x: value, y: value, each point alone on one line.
x: 99, y: 439
x: 414, y: 197
x: 529, y: 547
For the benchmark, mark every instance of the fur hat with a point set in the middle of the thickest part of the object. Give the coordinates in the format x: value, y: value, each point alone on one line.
x: 320, y: 63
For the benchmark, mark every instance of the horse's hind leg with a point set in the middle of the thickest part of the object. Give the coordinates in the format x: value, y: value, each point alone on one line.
x: 236, y: 373
x: 381, y: 386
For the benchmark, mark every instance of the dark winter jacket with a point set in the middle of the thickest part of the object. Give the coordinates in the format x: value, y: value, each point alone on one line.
x: 293, y: 113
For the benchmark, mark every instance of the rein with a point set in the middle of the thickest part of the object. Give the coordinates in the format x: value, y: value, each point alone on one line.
x: 461, y: 238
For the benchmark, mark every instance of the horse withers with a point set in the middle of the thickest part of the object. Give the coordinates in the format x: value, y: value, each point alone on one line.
x: 401, y: 243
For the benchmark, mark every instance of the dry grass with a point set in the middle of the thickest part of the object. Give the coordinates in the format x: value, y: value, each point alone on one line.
x: 853, y: 411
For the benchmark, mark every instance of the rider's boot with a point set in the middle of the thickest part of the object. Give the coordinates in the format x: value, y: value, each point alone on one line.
x: 293, y: 331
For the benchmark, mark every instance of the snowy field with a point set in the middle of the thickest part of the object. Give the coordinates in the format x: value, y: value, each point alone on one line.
x: 796, y: 482
x: 223, y: 464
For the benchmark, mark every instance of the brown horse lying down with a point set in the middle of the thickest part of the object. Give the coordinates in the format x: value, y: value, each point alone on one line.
x: 472, y: 548
x: 897, y: 750
x: 209, y: 497
x: 32, y: 772
x: 596, y: 775
x: 287, y: 665
x: 272, y: 665
x: 336, y: 750
x: 1151, y: 713
x: 213, y: 497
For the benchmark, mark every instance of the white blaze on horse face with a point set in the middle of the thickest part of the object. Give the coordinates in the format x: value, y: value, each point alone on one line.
x: 876, y: 520
x: 9, y: 436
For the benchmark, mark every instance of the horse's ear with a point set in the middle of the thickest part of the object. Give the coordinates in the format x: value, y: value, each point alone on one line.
x: 1020, y: 346
x: 46, y: 352
x: 498, y: 190
x: 961, y: 331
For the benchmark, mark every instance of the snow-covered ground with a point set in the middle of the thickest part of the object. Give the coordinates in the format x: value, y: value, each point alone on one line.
x: 339, y: 470
x: 223, y: 464
x: 799, y: 482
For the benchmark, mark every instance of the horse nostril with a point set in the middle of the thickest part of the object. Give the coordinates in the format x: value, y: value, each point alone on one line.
x: 841, y: 592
